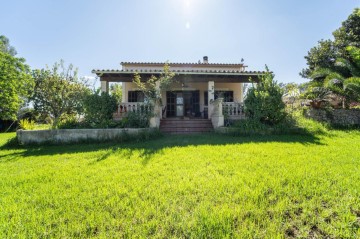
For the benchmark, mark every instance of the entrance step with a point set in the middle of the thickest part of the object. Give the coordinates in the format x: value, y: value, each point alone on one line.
x: 185, y: 126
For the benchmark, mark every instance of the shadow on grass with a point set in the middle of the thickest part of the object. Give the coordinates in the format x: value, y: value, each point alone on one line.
x: 146, y: 148
x: 127, y: 152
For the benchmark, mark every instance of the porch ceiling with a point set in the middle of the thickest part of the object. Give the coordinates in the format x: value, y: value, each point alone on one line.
x: 182, y: 75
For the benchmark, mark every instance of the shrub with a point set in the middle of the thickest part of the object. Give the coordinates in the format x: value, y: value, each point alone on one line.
x: 72, y: 122
x: 137, y: 120
x: 354, y: 105
x: 58, y: 91
x: 294, y: 123
x: 99, y: 109
x: 318, y: 96
x: 310, y: 125
x: 69, y: 122
x: 26, y: 124
x: 27, y: 113
x: 264, y: 103
x: 249, y: 126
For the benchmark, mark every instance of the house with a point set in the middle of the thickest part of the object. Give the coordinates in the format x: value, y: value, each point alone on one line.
x: 202, y: 90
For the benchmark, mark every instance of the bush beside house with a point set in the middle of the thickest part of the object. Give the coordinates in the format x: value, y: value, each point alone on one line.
x: 264, y: 109
x: 99, y: 108
x: 264, y: 102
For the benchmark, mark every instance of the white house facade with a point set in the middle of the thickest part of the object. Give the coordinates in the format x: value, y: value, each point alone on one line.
x: 200, y: 91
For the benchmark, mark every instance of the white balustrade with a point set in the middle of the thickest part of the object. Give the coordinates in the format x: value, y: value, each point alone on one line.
x: 233, y: 110
x: 137, y: 107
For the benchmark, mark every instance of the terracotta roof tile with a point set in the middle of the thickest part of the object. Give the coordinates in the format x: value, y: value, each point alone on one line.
x: 150, y: 71
x: 181, y: 63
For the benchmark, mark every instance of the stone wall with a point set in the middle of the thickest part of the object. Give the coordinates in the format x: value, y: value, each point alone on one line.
x: 62, y: 136
x: 340, y: 117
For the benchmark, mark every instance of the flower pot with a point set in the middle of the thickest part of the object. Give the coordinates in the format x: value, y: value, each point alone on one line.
x: 316, y: 104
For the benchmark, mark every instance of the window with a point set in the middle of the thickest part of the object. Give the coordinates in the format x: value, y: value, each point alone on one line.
x: 136, y: 96
x: 227, y: 95
x: 170, y: 104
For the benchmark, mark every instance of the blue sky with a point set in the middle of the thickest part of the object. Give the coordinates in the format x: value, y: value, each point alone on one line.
x: 100, y: 34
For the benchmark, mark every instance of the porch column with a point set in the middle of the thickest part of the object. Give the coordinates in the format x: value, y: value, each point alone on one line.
x: 217, y: 117
x: 211, y: 97
x: 124, y: 93
x: 104, y: 86
x: 155, y: 120
x: 241, y: 92
x: 214, y: 107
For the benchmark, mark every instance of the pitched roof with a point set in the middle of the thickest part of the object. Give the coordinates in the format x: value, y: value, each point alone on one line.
x: 154, y: 71
x: 230, y: 76
x: 182, y: 64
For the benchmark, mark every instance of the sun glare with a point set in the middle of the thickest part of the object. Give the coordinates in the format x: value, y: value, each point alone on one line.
x: 187, y: 25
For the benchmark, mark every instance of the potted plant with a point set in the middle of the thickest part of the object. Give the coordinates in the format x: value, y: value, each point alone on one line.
x: 318, y: 96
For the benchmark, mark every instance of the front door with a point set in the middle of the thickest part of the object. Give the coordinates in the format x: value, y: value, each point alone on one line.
x: 179, y: 104
x: 170, y: 104
x: 183, y: 103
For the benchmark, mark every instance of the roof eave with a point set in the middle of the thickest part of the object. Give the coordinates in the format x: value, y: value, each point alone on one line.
x: 100, y: 72
x: 181, y: 64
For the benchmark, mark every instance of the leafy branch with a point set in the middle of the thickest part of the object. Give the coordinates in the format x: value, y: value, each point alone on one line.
x: 153, y: 87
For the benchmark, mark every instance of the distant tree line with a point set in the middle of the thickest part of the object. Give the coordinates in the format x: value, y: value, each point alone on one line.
x: 47, y: 94
x: 333, y: 66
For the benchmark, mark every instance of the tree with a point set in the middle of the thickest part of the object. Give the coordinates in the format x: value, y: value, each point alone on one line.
x: 99, y: 108
x: 290, y: 88
x: 15, y: 85
x: 153, y: 87
x: 5, y: 46
x: 349, y: 32
x: 323, y: 55
x: 344, y: 81
x: 58, y: 91
x: 327, y: 51
x: 116, y: 91
x: 291, y: 92
x: 264, y: 103
x: 335, y: 64
x: 318, y: 96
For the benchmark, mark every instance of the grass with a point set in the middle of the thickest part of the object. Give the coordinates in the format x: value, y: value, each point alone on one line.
x: 199, y: 186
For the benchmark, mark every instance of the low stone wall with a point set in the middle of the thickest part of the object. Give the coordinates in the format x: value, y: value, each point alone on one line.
x: 340, y: 117
x: 225, y: 130
x: 61, y: 136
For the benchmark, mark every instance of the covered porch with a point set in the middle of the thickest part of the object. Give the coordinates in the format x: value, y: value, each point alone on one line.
x: 194, y: 95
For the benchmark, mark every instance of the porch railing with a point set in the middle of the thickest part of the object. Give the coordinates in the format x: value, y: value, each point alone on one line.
x: 139, y: 107
x: 233, y: 110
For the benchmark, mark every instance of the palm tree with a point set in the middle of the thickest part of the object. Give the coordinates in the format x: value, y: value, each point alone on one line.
x: 344, y: 81
x: 318, y: 96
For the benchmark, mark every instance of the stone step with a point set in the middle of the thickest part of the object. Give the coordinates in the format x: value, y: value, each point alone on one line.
x: 181, y: 124
x: 185, y: 120
x: 185, y: 126
x: 185, y: 130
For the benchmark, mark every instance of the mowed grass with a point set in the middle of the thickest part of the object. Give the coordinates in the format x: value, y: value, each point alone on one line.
x: 198, y: 186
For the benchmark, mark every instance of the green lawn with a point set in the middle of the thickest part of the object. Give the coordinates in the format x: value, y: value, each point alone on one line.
x: 196, y: 186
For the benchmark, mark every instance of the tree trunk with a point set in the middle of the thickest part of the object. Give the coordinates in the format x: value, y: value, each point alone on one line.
x: 55, y: 123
